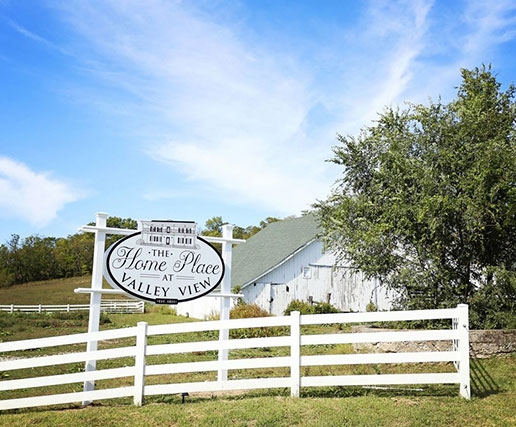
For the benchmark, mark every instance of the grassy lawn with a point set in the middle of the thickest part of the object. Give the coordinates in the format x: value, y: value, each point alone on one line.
x: 493, y: 383
x: 433, y: 406
x: 58, y: 291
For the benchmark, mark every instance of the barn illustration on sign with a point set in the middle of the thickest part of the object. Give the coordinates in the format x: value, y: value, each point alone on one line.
x: 173, y: 234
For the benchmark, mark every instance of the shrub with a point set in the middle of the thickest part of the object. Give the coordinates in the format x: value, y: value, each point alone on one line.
x: 245, y: 311
x: 104, y: 319
x: 237, y: 290
x: 494, y: 305
x: 305, y: 308
x: 298, y: 305
x: 371, y: 307
x: 324, y: 308
x: 214, y: 315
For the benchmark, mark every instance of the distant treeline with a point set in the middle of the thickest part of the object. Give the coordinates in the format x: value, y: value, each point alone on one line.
x: 41, y: 258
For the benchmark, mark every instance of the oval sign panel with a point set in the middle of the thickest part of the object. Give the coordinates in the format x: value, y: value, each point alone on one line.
x: 165, y: 263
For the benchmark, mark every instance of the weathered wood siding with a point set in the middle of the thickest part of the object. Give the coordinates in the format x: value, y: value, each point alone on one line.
x: 311, y: 274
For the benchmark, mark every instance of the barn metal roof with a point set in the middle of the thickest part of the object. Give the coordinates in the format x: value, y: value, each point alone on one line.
x: 270, y: 247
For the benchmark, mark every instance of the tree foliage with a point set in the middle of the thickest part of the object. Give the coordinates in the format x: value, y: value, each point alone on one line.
x: 427, y: 201
x: 213, y: 227
x: 40, y: 258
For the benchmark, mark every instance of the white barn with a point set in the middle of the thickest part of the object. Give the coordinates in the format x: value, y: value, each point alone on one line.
x: 285, y: 261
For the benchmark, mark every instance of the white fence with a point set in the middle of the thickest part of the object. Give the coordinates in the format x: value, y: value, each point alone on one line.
x: 108, y: 306
x: 457, y: 334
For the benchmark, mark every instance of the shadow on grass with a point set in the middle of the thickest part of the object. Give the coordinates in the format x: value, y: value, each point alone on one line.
x: 415, y: 391
x: 318, y: 392
x: 482, y: 384
x: 383, y: 391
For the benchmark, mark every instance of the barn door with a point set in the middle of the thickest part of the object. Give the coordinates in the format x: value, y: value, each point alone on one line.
x: 278, y: 299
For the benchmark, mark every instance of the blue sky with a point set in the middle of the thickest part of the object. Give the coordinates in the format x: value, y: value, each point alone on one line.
x: 186, y: 110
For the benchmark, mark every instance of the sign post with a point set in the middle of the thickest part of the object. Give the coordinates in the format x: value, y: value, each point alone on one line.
x: 164, y: 262
x: 96, y: 297
x: 225, y: 302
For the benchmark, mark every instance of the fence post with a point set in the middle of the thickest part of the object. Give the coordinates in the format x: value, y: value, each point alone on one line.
x: 39, y: 308
x: 96, y: 297
x: 463, y: 348
x: 139, y: 362
x: 225, y: 303
x: 12, y: 308
x: 68, y: 308
x: 295, y: 353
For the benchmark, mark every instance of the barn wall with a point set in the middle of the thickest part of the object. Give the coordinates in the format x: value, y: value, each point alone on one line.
x: 200, y: 308
x: 310, y: 275
x: 260, y: 294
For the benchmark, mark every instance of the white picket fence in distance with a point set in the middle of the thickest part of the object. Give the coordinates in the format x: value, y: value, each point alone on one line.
x: 458, y: 334
x: 107, y: 306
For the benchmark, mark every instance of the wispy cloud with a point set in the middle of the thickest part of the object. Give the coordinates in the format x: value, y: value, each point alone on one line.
x: 27, y: 33
x: 243, y: 119
x: 384, y: 63
x: 491, y: 23
x: 35, y: 197
x: 418, y: 52
x: 36, y: 37
x: 236, y: 111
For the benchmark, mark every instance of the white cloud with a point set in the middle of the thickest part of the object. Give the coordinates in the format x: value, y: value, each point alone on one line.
x: 413, y: 50
x: 385, y: 63
x: 32, y: 196
x: 492, y: 23
x: 29, y: 34
x: 242, y: 117
x: 36, y: 37
x: 237, y: 111
x: 472, y: 37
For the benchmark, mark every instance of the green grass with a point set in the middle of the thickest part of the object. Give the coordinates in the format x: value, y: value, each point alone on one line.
x: 493, y: 381
x: 434, y: 406
x: 57, y: 291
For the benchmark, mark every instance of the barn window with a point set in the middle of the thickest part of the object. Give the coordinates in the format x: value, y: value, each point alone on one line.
x: 307, y: 273
x: 288, y: 289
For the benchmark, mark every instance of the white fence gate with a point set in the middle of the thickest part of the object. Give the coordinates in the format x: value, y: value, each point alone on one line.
x: 458, y: 334
x: 108, y: 306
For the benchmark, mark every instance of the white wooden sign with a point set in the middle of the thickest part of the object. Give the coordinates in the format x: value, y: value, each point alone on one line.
x: 164, y: 263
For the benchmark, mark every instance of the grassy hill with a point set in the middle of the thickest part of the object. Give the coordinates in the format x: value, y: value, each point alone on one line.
x: 58, y: 291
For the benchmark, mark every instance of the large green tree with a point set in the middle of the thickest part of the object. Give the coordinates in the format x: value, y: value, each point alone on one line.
x: 427, y: 200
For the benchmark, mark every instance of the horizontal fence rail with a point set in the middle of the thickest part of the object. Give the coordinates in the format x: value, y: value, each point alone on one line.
x: 107, y: 306
x: 292, y: 338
